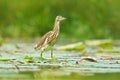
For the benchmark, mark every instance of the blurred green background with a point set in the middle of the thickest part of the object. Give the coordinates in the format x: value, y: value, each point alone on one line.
x: 86, y: 19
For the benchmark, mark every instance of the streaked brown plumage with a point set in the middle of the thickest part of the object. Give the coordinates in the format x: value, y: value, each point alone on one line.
x: 48, y: 40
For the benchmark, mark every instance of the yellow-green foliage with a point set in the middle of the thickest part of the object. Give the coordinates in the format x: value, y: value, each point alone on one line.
x: 85, y: 18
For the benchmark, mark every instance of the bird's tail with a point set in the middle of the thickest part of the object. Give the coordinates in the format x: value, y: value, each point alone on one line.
x: 35, y: 47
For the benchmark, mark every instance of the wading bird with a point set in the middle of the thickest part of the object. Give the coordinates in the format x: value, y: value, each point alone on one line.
x: 48, y: 40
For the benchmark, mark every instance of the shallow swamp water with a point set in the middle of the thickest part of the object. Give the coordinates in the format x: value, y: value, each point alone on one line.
x: 19, y: 61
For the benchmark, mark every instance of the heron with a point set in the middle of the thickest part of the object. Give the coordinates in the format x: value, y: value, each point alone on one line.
x: 49, y: 39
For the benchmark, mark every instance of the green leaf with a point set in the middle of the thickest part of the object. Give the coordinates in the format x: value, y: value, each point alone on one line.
x: 74, y: 46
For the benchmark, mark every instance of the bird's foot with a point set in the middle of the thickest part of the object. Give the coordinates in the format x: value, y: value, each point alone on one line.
x: 53, y: 59
x: 41, y: 58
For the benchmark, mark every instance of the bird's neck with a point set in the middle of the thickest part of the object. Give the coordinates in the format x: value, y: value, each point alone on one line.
x: 56, y: 26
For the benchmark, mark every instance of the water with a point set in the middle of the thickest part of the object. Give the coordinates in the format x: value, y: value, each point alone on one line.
x: 68, y: 64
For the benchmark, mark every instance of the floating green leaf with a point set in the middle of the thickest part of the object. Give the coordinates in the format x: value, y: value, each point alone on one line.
x: 100, y: 43
x: 5, y: 59
x: 29, y: 58
x: 74, y: 46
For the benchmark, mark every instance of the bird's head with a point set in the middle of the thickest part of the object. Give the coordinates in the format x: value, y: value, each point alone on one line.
x: 60, y: 18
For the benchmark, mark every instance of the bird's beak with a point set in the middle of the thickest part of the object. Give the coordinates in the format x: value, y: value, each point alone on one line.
x: 63, y: 18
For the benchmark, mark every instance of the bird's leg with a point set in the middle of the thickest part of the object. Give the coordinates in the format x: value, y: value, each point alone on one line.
x: 41, y: 57
x: 52, y: 56
x: 52, y: 53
